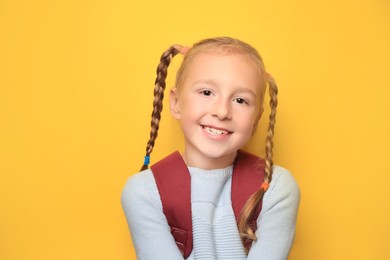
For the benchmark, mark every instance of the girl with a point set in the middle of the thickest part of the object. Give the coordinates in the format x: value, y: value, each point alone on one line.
x: 218, y: 99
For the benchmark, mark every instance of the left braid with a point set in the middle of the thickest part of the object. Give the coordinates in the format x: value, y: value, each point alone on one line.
x: 244, y: 226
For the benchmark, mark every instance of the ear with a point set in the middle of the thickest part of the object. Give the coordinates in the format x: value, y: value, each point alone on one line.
x: 257, y: 120
x: 174, y: 103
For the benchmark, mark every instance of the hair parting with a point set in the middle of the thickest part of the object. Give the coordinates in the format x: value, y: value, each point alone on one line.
x: 159, y: 87
x: 245, y: 222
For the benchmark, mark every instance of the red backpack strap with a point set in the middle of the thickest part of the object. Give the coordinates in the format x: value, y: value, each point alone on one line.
x: 248, y: 175
x: 174, y: 185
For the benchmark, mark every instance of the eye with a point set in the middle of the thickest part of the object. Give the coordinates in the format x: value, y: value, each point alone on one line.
x: 241, y: 101
x: 206, y: 92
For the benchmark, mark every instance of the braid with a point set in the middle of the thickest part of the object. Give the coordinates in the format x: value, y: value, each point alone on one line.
x: 273, y: 92
x: 249, y: 209
x: 159, y: 88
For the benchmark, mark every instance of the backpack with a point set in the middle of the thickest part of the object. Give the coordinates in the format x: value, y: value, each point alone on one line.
x: 174, y: 185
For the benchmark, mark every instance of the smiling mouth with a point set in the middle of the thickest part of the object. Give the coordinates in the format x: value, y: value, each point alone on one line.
x: 215, y: 131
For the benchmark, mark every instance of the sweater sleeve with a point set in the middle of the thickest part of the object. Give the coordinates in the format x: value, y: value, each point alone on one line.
x: 148, y: 226
x: 276, y: 223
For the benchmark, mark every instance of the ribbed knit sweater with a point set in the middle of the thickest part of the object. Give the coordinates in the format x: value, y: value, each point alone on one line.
x: 215, y: 233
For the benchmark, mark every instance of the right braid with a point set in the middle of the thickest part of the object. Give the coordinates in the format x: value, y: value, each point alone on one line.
x: 162, y: 71
x: 273, y: 92
x: 244, y: 224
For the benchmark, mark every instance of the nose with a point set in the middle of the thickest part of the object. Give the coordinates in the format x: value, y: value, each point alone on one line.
x: 222, y: 109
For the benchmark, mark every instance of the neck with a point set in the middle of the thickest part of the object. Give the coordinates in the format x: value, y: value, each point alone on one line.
x: 209, y: 163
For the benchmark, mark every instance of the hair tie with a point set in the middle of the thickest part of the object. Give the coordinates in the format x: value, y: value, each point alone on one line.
x: 183, y: 50
x: 264, y: 186
x: 146, y: 160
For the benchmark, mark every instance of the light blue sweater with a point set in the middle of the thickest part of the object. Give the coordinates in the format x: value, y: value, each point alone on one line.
x: 215, y: 232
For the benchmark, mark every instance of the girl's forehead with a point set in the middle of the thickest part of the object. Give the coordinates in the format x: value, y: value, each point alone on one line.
x: 217, y: 60
x: 235, y: 63
x: 238, y: 70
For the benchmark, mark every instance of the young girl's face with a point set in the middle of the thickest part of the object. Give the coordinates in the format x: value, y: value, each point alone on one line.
x: 219, y: 107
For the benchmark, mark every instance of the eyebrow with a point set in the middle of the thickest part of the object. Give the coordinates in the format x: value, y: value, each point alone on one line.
x: 213, y: 83
x: 205, y: 81
x: 247, y: 90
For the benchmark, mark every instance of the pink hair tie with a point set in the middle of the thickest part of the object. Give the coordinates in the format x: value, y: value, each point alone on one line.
x: 264, y: 186
x: 183, y: 50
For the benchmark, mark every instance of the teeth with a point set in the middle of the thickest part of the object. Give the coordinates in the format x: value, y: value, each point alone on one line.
x: 215, y: 131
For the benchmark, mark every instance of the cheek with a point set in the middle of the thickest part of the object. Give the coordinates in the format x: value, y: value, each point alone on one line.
x: 190, y: 107
x: 246, y: 116
x: 249, y: 125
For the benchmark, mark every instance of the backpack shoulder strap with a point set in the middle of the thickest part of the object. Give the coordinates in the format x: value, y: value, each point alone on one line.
x: 248, y: 175
x: 174, y: 185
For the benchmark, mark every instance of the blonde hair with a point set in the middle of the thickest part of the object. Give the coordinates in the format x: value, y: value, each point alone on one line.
x: 219, y: 45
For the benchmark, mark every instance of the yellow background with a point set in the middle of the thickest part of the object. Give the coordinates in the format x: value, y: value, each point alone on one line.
x: 76, y: 81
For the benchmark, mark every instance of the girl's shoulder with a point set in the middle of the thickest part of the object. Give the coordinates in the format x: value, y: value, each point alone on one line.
x: 140, y: 188
x: 140, y: 178
x: 283, y: 187
x: 283, y: 177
